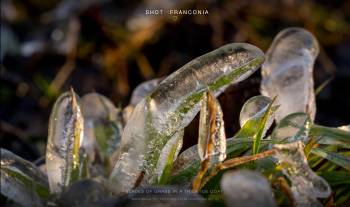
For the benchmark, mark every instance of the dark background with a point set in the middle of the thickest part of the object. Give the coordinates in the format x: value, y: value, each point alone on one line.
x: 49, y: 46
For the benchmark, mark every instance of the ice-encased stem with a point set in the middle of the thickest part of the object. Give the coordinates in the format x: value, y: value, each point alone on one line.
x: 22, y: 181
x: 173, y: 105
x: 306, y: 185
x: 63, y: 146
x: 102, y: 125
x: 211, y: 136
x: 287, y: 72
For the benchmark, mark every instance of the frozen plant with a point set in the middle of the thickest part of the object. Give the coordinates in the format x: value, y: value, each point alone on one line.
x: 102, y: 155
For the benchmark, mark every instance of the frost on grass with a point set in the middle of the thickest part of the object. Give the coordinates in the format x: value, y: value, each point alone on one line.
x: 211, y: 136
x: 173, y: 105
x: 245, y: 188
x: 287, y: 72
x: 292, y: 128
x: 22, y: 181
x: 65, y: 137
x: 306, y: 185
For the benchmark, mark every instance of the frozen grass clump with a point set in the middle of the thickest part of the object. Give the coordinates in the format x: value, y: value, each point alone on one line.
x: 102, y: 155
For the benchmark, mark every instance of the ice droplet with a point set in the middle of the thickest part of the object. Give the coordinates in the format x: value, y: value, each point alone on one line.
x: 306, y: 185
x: 173, y: 105
x: 292, y: 128
x: 254, y: 107
x: 253, y: 111
x: 245, y: 188
x: 211, y: 138
x: 102, y: 125
x: 287, y: 72
x: 22, y: 181
x: 64, y: 140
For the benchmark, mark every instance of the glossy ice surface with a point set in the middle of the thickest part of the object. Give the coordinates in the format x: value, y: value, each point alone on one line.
x: 102, y: 125
x: 287, y: 72
x: 173, y: 105
x: 292, y: 128
x: 22, y: 181
x: 212, y: 137
x: 306, y: 185
x: 65, y: 137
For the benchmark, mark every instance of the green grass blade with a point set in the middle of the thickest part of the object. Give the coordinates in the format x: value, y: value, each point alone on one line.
x: 331, y: 136
x: 168, y: 156
x: 262, y: 125
x: 341, y: 160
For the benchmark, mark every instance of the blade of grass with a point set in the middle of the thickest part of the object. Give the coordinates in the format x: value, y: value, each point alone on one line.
x: 341, y: 160
x: 259, y: 135
x: 331, y: 136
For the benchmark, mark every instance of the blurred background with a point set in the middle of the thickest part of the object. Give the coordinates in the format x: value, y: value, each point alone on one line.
x: 110, y: 47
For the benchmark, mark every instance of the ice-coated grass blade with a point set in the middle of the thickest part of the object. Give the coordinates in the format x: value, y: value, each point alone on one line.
x: 252, y: 116
x: 65, y: 137
x: 339, y: 159
x: 244, y: 188
x: 173, y: 105
x: 292, y: 128
x: 256, y: 117
x: 168, y: 156
x: 331, y: 136
x: 211, y: 138
x: 306, y: 185
x: 22, y: 181
x: 102, y: 126
x: 287, y: 72
x: 254, y: 108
